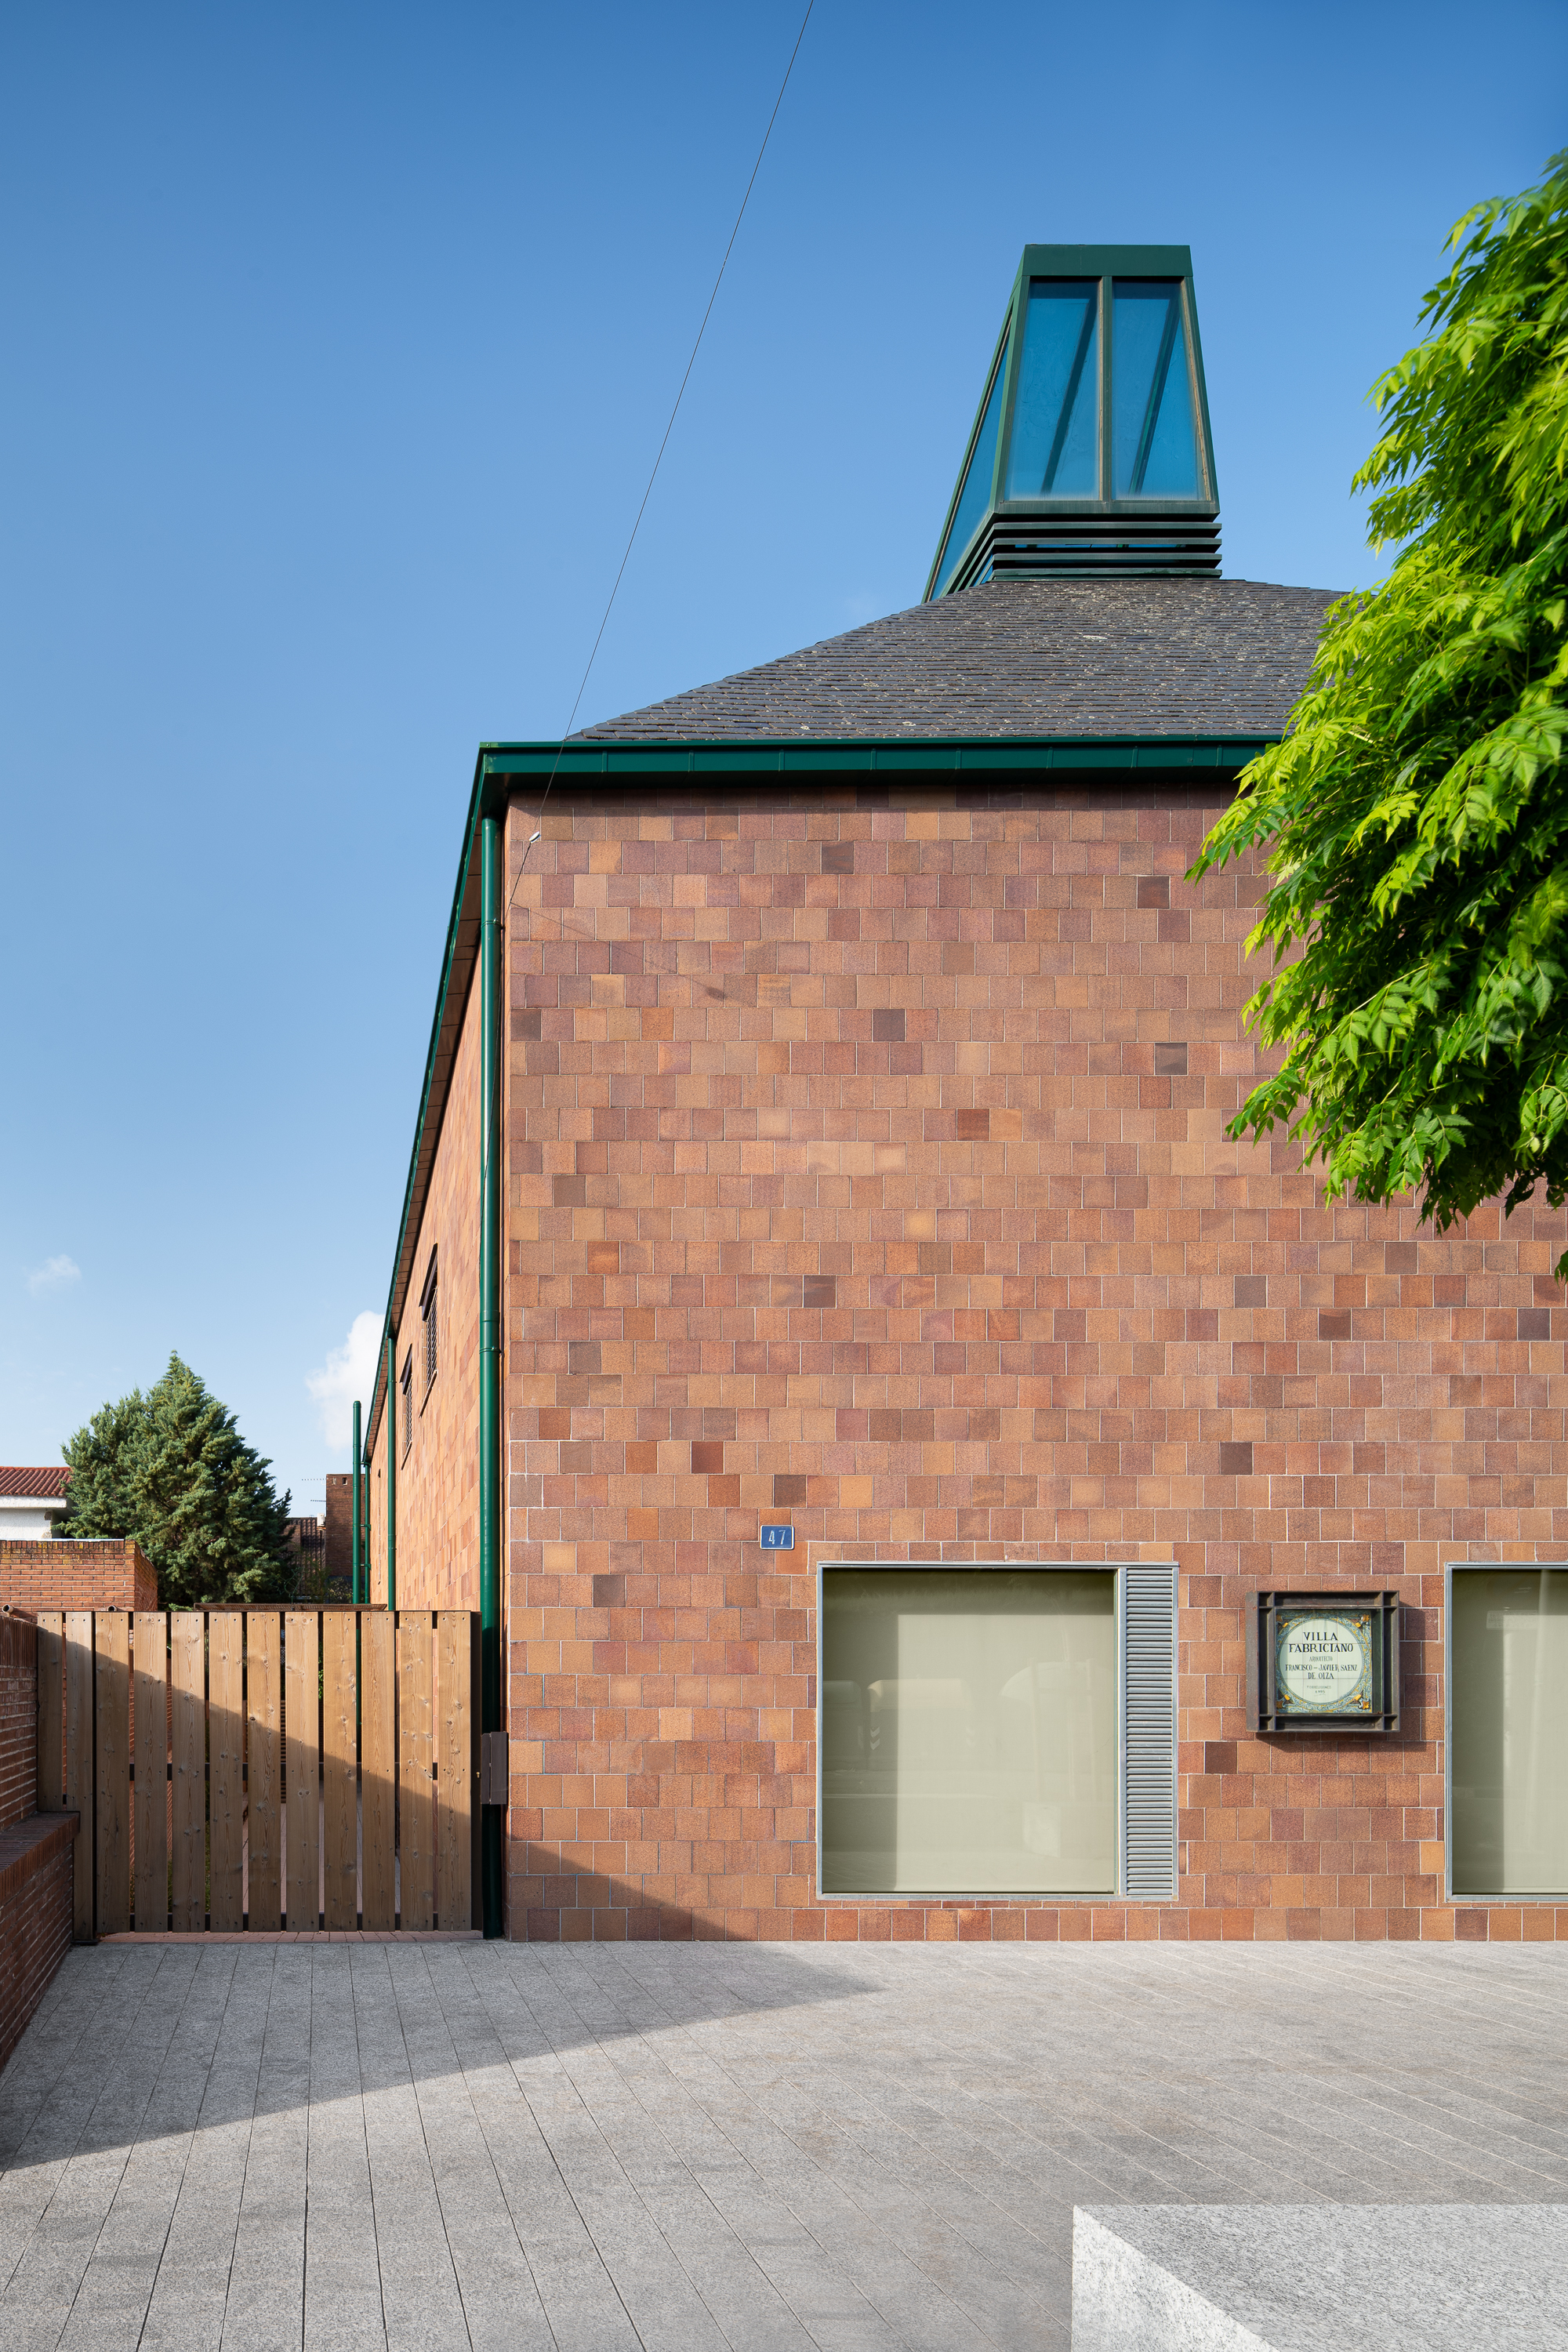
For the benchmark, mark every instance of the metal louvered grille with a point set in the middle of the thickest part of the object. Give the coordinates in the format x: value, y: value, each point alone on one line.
x: 1149, y: 1714
x: 1011, y: 546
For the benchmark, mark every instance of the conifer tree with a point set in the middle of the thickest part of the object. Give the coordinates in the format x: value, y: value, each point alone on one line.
x: 170, y: 1468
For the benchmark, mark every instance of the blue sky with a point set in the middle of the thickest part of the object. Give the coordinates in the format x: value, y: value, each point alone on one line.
x: 339, y: 342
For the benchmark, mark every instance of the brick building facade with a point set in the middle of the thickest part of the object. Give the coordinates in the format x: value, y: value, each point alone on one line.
x: 866, y: 1170
x: 861, y: 1097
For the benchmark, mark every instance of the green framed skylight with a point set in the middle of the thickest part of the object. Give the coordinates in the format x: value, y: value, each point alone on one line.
x: 1090, y: 450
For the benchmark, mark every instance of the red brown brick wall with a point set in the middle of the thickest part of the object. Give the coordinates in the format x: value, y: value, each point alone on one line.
x: 90, y: 1573
x: 438, y: 1470
x: 867, y: 1168
x: 35, y: 1929
x: 35, y: 1851
x: 18, y: 1718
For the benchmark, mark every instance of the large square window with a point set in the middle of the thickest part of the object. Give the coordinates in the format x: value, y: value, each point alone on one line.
x: 1507, y: 1698
x: 968, y: 1729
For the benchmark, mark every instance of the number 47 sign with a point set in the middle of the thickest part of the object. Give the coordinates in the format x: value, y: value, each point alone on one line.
x: 778, y: 1538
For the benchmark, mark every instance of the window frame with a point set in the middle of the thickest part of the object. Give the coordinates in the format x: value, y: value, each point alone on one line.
x: 405, y: 1387
x: 1110, y: 273
x: 430, y: 1321
x: 1117, y: 1569
x: 1462, y: 1567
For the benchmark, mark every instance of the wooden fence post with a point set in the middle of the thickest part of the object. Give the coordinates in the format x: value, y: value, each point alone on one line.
x: 340, y: 1746
x: 112, y: 1711
x: 302, y: 1766
x: 416, y: 1783
x: 263, y: 1747
x: 188, y: 1749
x: 457, y: 1814
x: 79, y: 1762
x: 149, y: 1709
x: 225, y: 1767
x: 378, y: 1770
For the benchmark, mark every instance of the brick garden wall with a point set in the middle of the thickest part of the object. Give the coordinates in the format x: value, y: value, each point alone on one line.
x: 35, y: 1849
x: 18, y: 1718
x: 35, y: 1926
x: 867, y: 1168
x: 88, y: 1574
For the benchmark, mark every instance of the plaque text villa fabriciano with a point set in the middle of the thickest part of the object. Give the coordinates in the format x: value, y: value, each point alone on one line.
x: 1324, y: 1662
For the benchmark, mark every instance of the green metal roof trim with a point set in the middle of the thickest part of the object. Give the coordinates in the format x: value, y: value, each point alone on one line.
x: 885, y: 755
x: 503, y: 766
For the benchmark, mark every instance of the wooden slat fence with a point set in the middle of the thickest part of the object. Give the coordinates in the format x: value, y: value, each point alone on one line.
x: 264, y: 1768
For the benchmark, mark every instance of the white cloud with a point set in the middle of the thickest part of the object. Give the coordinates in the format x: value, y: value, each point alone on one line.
x: 348, y: 1373
x: 54, y: 1273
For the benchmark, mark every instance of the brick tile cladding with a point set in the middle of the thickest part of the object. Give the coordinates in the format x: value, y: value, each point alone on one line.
x: 437, y: 1479
x: 868, y: 1164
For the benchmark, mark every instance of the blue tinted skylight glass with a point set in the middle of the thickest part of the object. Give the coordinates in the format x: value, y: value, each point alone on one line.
x: 1054, y: 452
x: 1153, y: 448
x: 975, y: 496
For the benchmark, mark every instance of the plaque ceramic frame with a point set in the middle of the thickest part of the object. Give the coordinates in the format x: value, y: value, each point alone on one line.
x: 1270, y: 1709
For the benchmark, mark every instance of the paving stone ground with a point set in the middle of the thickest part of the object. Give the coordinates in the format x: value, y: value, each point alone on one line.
x: 685, y: 2148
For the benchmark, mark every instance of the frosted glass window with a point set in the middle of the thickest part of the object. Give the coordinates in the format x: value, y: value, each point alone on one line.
x: 975, y: 496
x: 968, y: 1729
x: 1508, y: 1659
x: 1054, y: 449
x: 1154, y: 449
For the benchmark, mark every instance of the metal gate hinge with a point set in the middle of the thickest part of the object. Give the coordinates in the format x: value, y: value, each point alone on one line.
x: 495, y: 1771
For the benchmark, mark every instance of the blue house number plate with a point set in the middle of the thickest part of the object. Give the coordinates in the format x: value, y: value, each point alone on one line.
x: 778, y: 1538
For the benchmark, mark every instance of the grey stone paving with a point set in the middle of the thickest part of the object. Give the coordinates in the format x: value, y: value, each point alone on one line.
x: 685, y: 2148
x: 1321, y: 2278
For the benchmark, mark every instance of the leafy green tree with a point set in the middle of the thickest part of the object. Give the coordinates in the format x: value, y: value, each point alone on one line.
x: 1414, y: 818
x: 171, y: 1469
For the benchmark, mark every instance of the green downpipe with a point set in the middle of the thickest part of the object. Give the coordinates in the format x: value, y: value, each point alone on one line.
x: 357, y: 1503
x: 390, y: 1419
x: 492, y: 1817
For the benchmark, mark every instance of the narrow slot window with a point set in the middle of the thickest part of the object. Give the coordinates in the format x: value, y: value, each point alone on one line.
x: 427, y: 1311
x: 406, y: 1384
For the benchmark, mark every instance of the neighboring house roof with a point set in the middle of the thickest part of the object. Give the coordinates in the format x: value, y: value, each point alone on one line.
x: 35, y: 1485
x: 1024, y: 658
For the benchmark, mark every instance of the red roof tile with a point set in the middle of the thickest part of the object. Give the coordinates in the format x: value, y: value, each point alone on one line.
x: 35, y: 1482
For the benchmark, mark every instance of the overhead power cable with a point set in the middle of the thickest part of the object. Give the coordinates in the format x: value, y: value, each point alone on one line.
x: 674, y: 411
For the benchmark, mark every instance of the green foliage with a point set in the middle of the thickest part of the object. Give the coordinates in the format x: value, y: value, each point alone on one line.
x: 1415, y: 820
x: 171, y: 1469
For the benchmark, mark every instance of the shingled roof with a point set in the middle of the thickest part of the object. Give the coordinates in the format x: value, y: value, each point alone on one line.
x: 1024, y: 657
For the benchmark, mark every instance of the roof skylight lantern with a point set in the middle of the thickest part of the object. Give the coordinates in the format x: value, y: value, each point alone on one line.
x: 1090, y: 451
